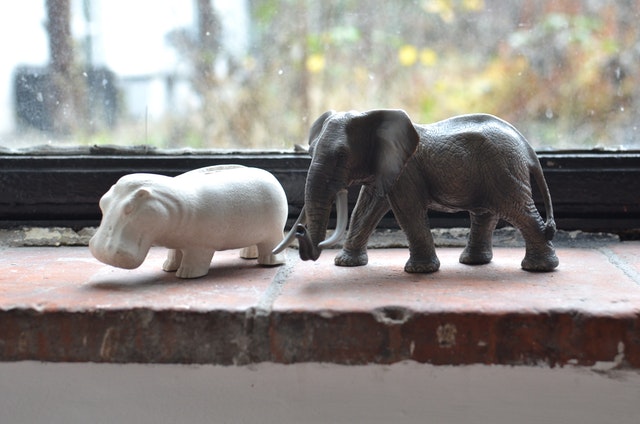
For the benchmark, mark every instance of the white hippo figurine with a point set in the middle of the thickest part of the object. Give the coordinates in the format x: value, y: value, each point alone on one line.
x: 194, y: 214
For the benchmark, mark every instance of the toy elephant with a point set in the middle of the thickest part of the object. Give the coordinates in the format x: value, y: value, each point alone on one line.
x: 194, y: 214
x: 477, y: 163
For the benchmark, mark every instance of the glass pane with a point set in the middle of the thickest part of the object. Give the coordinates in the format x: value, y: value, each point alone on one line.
x: 254, y: 74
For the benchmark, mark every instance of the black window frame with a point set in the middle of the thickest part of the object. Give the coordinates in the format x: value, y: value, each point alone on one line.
x: 591, y: 190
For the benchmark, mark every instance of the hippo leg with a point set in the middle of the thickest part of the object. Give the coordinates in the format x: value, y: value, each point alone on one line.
x: 250, y: 252
x: 266, y: 258
x: 172, y: 263
x: 195, y: 263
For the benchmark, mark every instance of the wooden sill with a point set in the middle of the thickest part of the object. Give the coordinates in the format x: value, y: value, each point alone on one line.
x: 59, y: 304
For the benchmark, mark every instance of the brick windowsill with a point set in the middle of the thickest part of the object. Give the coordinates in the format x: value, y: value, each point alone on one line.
x: 60, y: 304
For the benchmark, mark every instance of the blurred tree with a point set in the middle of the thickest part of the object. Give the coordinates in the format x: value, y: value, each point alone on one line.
x: 67, y: 87
x: 204, y: 55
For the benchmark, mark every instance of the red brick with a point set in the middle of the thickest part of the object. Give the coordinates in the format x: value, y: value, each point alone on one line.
x: 60, y: 304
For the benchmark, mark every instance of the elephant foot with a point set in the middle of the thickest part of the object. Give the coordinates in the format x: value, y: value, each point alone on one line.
x: 476, y: 256
x: 422, y: 266
x: 348, y: 257
x: 540, y: 262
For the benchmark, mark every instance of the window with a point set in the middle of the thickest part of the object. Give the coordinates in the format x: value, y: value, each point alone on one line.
x: 255, y: 74
x: 252, y: 75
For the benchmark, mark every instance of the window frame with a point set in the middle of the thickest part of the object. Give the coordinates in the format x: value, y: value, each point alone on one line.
x: 591, y: 190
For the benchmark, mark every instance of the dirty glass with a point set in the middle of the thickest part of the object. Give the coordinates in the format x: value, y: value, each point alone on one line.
x: 254, y: 74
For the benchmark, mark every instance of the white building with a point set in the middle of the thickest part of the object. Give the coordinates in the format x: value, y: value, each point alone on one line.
x: 127, y: 37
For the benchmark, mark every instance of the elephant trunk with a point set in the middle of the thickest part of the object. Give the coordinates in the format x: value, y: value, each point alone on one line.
x: 306, y: 247
x: 311, y: 240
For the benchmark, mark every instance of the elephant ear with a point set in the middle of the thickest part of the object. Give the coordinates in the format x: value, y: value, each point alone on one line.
x: 316, y: 128
x: 391, y: 139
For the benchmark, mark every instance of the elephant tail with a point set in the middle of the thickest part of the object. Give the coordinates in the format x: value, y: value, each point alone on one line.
x: 536, y: 170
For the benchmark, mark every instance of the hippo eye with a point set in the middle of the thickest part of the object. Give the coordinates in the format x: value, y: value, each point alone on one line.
x: 139, y: 196
x: 128, y: 208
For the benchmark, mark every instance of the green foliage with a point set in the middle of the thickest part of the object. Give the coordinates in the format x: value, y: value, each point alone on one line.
x: 557, y: 75
x: 558, y: 81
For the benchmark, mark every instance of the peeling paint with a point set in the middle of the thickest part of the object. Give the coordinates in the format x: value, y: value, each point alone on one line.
x: 392, y: 315
x: 23, y: 342
x: 107, y: 346
x: 617, y: 362
x: 381, y: 238
x: 446, y: 335
x: 46, y: 236
x: 327, y: 314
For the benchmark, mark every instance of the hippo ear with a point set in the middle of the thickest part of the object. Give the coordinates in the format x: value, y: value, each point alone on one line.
x: 138, y: 196
x: 387, y: 139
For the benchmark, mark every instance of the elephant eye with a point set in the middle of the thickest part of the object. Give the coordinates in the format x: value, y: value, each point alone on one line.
x: 342, y: 152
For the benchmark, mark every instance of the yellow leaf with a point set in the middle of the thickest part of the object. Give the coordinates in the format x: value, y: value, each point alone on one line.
x: 474, y: 5
x: 444, y: 8
x: 315, y: 63
x: 428, y: 57
x: 408, y: 55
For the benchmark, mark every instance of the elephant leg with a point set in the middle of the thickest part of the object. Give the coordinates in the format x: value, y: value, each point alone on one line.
x: 412, y: 218
x: 540, y: 255
x: 195, y: 263
x: 478, y: 250
x: 369, y: 210
x: 172, y: 263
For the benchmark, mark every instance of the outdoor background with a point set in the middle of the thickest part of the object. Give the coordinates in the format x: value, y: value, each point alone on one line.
x: 242, y: 74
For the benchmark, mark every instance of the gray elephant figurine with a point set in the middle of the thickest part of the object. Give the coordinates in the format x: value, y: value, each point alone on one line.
x: 478, y: 163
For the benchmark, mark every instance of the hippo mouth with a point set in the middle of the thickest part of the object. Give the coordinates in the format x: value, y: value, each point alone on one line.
x: 115, y: 256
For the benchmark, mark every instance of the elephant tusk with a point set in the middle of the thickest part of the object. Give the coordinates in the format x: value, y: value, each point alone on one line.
x: 292, y: 233
x: 341, y: 221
